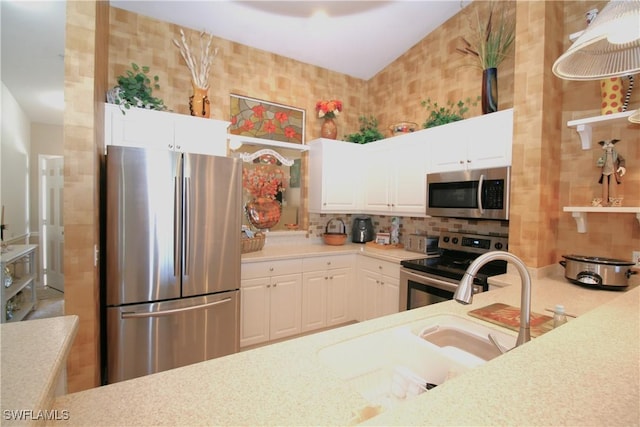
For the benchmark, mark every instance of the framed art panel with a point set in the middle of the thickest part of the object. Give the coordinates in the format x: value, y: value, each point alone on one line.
x: 263, y: 119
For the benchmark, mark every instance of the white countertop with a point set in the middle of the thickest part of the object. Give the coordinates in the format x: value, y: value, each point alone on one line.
x: 272, y: 253
x: 584, y: 373
x: 33, y: 357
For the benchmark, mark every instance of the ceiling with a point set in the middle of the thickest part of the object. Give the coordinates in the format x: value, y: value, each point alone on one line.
x: 357, y: 38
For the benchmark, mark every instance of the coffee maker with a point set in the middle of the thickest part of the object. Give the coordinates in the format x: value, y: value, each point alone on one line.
x: 362, y: 230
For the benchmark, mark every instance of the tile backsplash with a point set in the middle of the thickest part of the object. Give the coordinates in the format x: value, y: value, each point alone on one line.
x: 411, y: 225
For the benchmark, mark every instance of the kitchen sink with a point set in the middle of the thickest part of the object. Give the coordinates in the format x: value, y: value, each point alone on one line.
x: 392, y: 365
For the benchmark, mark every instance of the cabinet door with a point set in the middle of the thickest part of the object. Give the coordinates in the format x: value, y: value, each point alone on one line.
x: 377, y: 165
x: 285, y: 297
x: 492, y: 138
x: 334, y: 178
x: 448, y: 146
x: 338, y: 289
x: 389, y: 295
x: 409, y: 193
x: 139, y: 128
x: 201, y: 136
x: 254, y: 311
x: 370, y: 287
x: 314, y: 300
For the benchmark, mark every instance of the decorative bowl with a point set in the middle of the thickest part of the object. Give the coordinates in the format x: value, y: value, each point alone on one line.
x: 402, y: 127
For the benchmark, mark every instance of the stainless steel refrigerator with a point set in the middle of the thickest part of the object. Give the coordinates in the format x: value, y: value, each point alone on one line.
x: 172, y: 259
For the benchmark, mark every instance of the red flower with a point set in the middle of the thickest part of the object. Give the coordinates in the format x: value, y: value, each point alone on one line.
x: 329, y: 109
x: 247, y: 125
x: 269, y: 127
x: 281, y: 117
x: 289, y: 132
x: 258, y: 110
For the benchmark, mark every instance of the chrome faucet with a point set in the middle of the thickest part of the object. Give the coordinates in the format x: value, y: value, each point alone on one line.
x: 464, y: 292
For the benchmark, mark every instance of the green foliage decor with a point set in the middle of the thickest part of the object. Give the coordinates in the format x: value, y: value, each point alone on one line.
x: 368, y: 131
x: 440, y: 115
x: 135, y: 89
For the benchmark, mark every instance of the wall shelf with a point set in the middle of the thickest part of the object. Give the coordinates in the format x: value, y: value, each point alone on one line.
x: 585, y: 126
x: 579, y: 213
x: 236, y: 141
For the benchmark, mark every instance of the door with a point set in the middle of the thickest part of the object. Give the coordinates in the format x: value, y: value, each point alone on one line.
x: 213, y: 214
x: 143, y: 225
x: 338, y: 287
x: 51, y: 221
x: 146, y: 338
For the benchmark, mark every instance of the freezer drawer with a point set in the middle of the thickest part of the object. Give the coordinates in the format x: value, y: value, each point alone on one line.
x: 147, y: 338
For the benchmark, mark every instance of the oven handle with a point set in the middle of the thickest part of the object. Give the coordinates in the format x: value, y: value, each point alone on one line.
x: 480, y: 182
x: 430, y: 281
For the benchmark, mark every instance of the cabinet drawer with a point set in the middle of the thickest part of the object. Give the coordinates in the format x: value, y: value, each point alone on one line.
x: 252, y: 270
x: 387, y: 268
x: 322, y: 263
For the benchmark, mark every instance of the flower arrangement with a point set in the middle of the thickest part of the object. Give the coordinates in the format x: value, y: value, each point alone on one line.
x: 329, y: 109
x: 264, y: 181
x: 492, y: 40
x: 199, y: 71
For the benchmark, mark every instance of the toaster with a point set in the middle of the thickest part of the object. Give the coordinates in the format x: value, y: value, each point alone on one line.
x: 422, y: 244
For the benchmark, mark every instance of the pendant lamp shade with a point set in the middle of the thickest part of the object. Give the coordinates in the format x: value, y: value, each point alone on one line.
x: 609, y: 46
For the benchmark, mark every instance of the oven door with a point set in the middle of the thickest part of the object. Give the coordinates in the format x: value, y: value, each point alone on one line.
x: 419, y: 289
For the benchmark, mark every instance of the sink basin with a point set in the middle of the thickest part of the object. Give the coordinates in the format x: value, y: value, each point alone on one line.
x: 457, y: 335
x: 395, y: 364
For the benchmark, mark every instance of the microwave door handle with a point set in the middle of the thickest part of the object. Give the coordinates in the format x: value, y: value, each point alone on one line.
x: 480, y: 182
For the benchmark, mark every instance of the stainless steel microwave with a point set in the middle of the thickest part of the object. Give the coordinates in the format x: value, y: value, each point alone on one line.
x: 480, y: 194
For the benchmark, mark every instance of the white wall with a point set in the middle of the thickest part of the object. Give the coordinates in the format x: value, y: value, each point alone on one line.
x: 14, y: 161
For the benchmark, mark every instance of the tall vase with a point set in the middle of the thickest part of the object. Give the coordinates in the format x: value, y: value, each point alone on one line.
x: 329, y: 129
x: 263, y: 212
x: 199, y: 105
x: 489, y: 90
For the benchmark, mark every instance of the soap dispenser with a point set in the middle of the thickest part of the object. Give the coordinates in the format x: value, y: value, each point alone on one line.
x: 559, y: 316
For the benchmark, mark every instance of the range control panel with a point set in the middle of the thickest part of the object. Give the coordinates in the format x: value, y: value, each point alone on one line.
x: 475, y: 243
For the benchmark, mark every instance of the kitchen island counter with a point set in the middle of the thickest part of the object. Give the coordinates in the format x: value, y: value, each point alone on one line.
x: 584, y: 373
x: 33, y: 358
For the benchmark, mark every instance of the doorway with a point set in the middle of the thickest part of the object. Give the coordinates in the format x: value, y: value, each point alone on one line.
x: 51, y: 221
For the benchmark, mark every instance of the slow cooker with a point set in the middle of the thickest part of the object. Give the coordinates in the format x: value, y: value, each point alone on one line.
x: 606, y: 273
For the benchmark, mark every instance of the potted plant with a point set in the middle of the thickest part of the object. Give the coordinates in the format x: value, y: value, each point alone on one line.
x: 490, y: 44
x: 368, y: 131
x: 440, y: 115
x: 135, y: 90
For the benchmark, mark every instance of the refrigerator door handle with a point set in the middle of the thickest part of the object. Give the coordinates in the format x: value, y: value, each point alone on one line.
x: 176, y: 227
x: 133, y: 315
x: 187, y: 224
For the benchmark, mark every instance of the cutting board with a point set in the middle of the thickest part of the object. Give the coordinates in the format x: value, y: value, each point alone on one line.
x: 509, y: 317
x: 380, y: 246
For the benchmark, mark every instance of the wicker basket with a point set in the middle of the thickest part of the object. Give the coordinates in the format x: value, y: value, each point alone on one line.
x: 253, y: 244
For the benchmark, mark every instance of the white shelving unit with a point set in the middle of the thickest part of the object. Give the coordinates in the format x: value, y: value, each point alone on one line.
x: 579, y: 213
x: 19, y: 262
x: 585, y: 126
x: 237, y: 141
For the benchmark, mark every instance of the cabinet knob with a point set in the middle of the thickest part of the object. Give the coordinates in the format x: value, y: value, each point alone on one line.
x: 170, y: 146
x: 275, y: 284
x: 468, y: 161
x: 461, y: 162
x: 270, y: 268
x: 326, y: 278
x: 178, y: 147
x: 268, y: 286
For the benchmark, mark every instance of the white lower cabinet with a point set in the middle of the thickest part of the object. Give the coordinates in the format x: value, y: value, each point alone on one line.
x: 270, y: 306
x: 327, y: 284
x: 379, y: 283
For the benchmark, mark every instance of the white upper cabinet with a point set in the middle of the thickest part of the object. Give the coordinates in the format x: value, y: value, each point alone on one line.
x: 476, y: 143
x: 143, y: 128
x: 396, y: 175
x: 334, y: 176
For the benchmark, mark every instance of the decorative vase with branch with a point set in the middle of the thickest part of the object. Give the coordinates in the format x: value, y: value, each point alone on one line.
x: 199, y: 66
x: 491, y: 42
